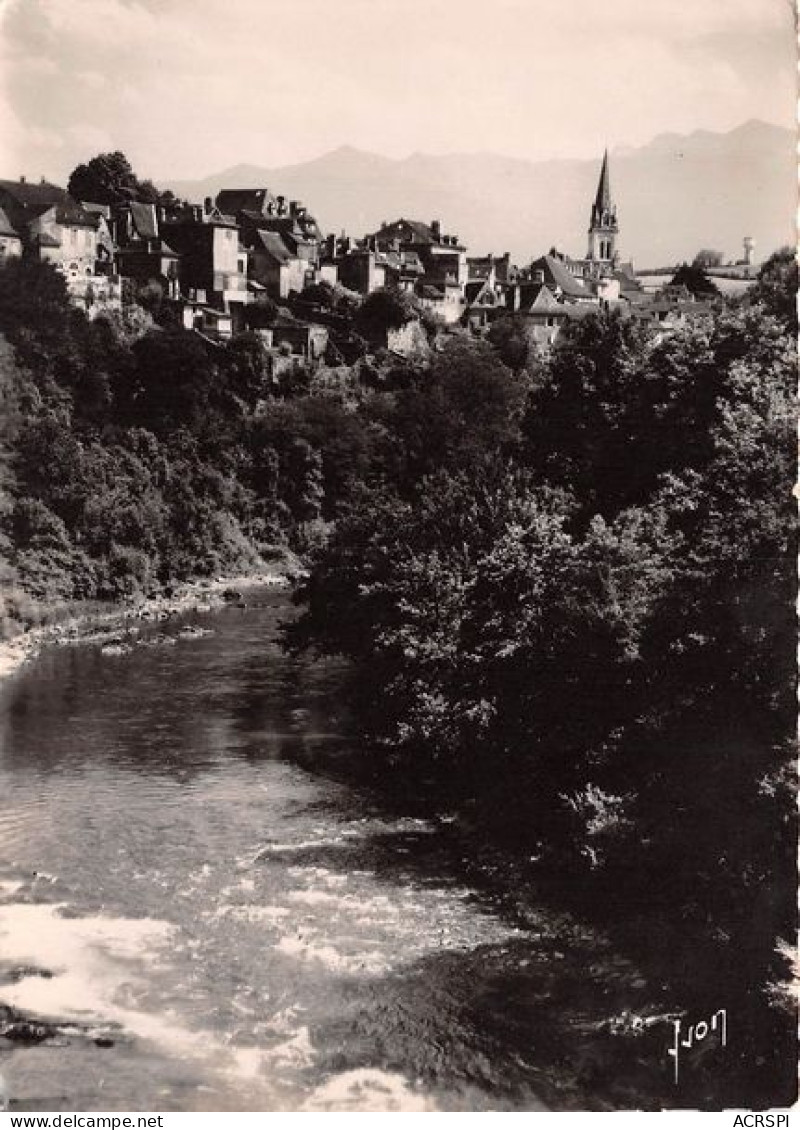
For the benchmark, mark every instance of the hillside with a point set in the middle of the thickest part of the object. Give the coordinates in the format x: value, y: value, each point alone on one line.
x: 674, y: 195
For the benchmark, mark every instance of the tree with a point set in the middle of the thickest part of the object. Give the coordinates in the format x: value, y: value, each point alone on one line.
x: 172, y: 382
x: 109, y: 178
x: 776, y: 287
x: 509, y: 338
x: 381, y: 311
x: 708, y: 258
x: 464, y: 408
x: 581, y: 424
x: 106, y: 179
x: 695, y: 280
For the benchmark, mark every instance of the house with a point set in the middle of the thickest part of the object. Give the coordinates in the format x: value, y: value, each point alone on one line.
x: 443, y: 258
x: 553, y: 270
x: 50, y: 224
x: 302, y: 339
x: 483, y: 300
x: 106, y: 243
x: 207, y: 320
x: 143, y: 254
x: 358, y: 268
x: 496, y: 270
x: 281, y: 236
x: 273, y: 266
x: 45, y: 221
x: 445, y: 300
x: 213, y: 264
x: 262, y: 208
x: 543, y: 315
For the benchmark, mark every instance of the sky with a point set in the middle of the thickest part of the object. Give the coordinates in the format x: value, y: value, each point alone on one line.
x: 186, y: 88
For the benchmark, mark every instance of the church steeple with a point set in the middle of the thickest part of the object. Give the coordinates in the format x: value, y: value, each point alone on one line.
x: 603, y: 224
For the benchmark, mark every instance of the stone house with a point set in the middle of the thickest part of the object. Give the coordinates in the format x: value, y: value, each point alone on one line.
x: 143, y: 254
x: 50, y: 224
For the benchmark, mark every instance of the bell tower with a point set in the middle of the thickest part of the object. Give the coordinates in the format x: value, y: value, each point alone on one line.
x: 603, y: 224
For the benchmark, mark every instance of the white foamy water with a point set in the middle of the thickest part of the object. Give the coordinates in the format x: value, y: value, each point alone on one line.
x: 251, y: 934
x: 368, y: 1090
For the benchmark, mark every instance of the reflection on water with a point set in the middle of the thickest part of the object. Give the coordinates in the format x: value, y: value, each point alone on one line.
x: 219, y: 925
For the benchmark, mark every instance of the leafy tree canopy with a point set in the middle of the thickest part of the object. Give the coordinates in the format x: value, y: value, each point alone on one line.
x: 696, y: 281
x: 109, y: 178
x: 776, y: 287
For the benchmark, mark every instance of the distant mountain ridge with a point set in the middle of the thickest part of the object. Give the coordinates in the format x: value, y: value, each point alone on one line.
x: 674, y: 196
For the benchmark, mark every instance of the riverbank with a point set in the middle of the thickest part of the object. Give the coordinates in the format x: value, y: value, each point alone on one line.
x: 100, y: 623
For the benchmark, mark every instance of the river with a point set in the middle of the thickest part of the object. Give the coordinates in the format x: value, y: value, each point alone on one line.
x: 216, y: 923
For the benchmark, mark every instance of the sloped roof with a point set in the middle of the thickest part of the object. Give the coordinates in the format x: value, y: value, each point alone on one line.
x: 144, y: 219
x: 93, y: 209
x: 538, y: 297
x: 556, y: 274
x: 70, y: 212
x: 34, y: 199
x: 5, y: 225
x: 414, y: 230
x: 473, y: 291
x: 412, y: 260
x: 161, y: 249
x: 23, y: 203
x: 244, y: 200
x: 272, y: 243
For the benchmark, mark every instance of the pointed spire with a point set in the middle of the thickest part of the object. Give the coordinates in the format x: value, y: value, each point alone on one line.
x: 602, y: 201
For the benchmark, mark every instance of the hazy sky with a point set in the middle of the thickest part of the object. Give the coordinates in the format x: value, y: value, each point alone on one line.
x: 189, y: 87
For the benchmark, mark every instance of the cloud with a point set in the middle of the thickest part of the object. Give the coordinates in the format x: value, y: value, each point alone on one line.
x: 187, y: 86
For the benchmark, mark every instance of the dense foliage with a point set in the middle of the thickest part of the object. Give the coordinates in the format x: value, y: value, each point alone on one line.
x: 109, y: 178
x: 564, y: 586
x: 569, y: 617
x: 137, y: 454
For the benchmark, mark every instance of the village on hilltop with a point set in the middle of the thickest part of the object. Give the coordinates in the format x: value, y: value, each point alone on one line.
x: 254, y: 260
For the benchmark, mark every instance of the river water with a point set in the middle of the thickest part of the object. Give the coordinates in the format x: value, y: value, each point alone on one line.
x: 216, y: 923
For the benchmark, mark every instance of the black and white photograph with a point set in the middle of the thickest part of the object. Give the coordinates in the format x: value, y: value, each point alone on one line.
x: 398, y: 542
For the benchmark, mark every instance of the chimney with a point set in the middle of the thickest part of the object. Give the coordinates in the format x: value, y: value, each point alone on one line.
x: 436, y: 230
x: 208, y: 204
x: 22, y: 180
x: 42, y: 180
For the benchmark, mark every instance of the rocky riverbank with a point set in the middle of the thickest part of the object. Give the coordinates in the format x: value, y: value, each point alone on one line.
x: 115, y: 625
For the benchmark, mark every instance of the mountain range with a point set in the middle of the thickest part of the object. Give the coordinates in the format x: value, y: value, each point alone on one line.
x: 674, y: 196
